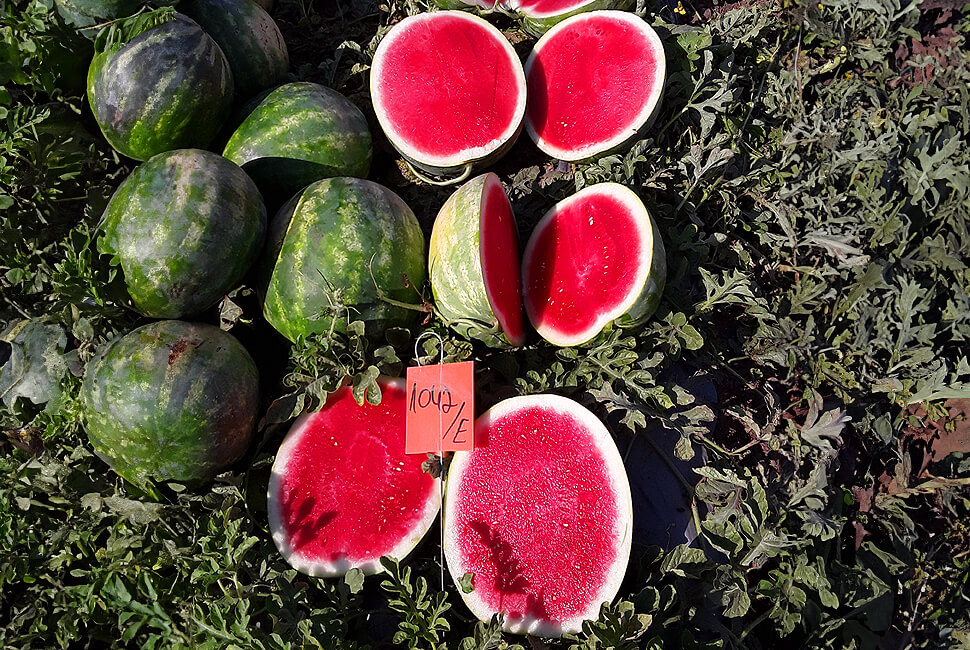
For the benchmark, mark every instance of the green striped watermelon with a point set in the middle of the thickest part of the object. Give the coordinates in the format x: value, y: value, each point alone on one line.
x: 168, y: 88
x: 300, y: 133
x: 332, y: 250
x: 185, y: 226
x: 171, y: 401
x: 473, y: 264
x: 248, y: 37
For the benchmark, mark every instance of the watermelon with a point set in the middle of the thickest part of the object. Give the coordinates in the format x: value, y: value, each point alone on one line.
x: 427, y: 85
x: 595, y: 260
x: 171, y: 401
x: 539, y: 514
x: 248, y: 37
x: 536, y: 16
x: 595, y: 81
x: 300, y: 133
x: 168, y: 88
x: 333, y: 250
x: 343, y: 493
x: 185, y: 227
x: 473, y: 264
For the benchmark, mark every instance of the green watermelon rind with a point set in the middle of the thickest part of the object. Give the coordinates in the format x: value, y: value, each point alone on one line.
x: 647, y: 114
x: 455, y: 266
x: 464, y: 161
x: 168, y: 88
x: 171, y: 401
x: 324, y: 569
x: 185, y: 226
x: 624, y: 524
x: 644, y: 298
x: 342, y: 250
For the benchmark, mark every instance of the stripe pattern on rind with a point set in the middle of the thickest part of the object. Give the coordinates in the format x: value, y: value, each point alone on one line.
x: 300, y: 133
x: 623, y: 527
x: 647, y: 113
x: 643, y: 299
x: 455, y: 266
x: 250, y: 39
x: 171, y: 401
x: 329, y: 569
x: 168, y: 88
x: 185, y: 226
x: 329, y: 246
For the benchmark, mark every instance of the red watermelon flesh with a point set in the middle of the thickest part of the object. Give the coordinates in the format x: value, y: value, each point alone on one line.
x: 540, y: 514
x: 500, y: 262
x: 447, y: 88
x: 593, y: 81
x: 547, y: 7
x: 343, y: 493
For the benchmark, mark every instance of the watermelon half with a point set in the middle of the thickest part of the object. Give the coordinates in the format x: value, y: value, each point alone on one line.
x: 540, y: 514
x: 595, y: 81
x: 593, y: 261
x: 343, y: 493
x: 473, y: 263
x: 448, y: 90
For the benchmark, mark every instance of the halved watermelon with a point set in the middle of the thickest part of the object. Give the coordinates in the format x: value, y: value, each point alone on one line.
x: 343, y: 493
x: 595, y: 81
x: 540, y: 514
x: 448, y: 90
x: 473, y: 263
x: 594, y: 260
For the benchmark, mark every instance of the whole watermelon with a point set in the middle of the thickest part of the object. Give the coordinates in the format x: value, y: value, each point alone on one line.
x: 170, y: 87
x: 300, y: 133
x: 185, y: 226
x: 248, y: 37
x: 333, y: 250
x: 171, y: 401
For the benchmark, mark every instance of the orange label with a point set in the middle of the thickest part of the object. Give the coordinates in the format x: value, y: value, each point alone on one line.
x: 440, y: 408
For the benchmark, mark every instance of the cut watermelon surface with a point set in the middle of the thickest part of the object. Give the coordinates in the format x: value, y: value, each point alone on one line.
x: 343, y: 493
x: 594, y: 81
x: 540, y: 515
x: 593, y: 259
x: 448, y: 90
x: 473, y: 263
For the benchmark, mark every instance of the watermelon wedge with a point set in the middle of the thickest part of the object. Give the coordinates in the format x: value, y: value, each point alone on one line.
x: 343, y: 493
x: 473, y: 263
x: 448, y: 91
x: 540, y: 514
x: 593, y: 261
x: 595, y: 81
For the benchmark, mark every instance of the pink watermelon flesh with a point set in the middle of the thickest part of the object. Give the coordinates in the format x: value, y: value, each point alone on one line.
x: 348, y: 493
x: 548, y: 7
x: 448, y: 85
x: 583, y: 263
x: 590, y: 81
x: 540, y: 523
x: 500, y: 262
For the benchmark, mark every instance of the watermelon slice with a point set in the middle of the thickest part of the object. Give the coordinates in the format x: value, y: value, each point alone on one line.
x: 343, y: 493
x: 594, y: 260
x: 538, y: 16
x: 473, y: 263
x: 595, y: 81
x: 449, y: 91
x: 540, y: 514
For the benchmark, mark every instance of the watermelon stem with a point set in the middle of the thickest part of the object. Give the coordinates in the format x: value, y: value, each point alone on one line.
x: 382, y: 295
x: 453, y: 181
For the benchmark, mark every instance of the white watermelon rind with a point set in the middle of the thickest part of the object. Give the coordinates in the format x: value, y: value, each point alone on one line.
x: 623, y: 529
x: 475, y: 157
x: 644, y: 118
x: 324, y: 569
x: 650, y: 276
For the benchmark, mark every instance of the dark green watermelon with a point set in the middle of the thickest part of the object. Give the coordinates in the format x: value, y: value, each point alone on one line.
x: 171, y: 401
x: 248, y: 37
x: 300, y: 133
x: 332, y: 250
x: 168, y: 88
x: 185, y: 226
